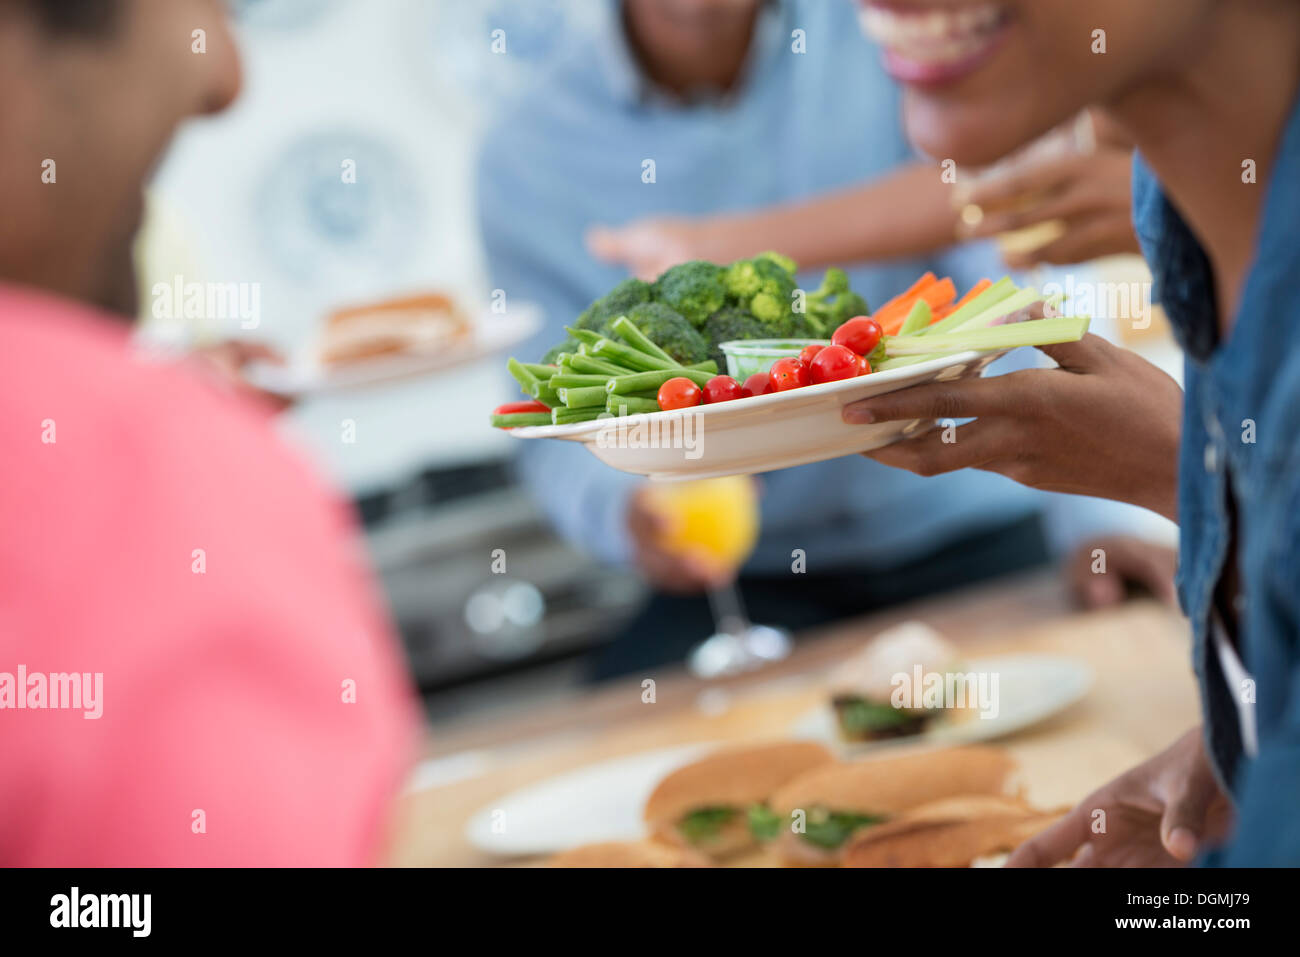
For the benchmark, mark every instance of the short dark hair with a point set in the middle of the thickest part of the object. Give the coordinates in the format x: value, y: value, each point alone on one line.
x: 84, y: 18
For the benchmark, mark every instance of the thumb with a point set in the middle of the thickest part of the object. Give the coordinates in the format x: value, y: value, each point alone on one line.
x: 1183, y: 822
x: 1081, y: 356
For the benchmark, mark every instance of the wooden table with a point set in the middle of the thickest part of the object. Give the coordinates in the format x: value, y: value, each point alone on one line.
x: 1144, y: 697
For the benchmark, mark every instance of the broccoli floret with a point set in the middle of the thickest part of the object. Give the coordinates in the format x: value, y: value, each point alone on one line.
x: 804, y: 326
x: 731, y: 323
x: 785, y: 262
x: 762, y: 286
x: 695, y: 289
x: 568, y: 345
x: 834, y: 303
x: 618, y: 302
x: 670, y: 331
x: 769, y: 308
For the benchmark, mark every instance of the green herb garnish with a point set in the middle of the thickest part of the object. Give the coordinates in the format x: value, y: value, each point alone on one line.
x: 704, y: 825
x: 764, y: 823
x: 830, y: 829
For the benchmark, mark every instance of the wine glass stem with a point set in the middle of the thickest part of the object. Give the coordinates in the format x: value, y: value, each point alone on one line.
x: 728, y: 608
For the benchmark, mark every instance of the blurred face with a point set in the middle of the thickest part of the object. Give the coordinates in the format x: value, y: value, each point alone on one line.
x: 983, y: 78
x: 83, y: 121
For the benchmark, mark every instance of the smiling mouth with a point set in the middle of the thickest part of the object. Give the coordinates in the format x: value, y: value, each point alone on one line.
x: 930, y: 45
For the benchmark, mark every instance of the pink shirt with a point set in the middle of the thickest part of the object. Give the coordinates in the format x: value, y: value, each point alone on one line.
x: 157, y: 532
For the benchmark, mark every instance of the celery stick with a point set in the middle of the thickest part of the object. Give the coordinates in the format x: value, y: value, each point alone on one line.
x: 580, y: 398
x: 900, y: 361
x: 994, y: 294
x: 637, y: 382
x: 637, y: 339
x: 510, y: 420
x: 1035, y: 332
x: 1006, y: 307
x: 917, y: 319
x: 625, y: 405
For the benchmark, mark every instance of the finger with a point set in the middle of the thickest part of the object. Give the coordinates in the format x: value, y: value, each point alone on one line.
x: 645, y: 522
x: 246, y: 351
x: 973, y: 445
x: 959, y: 399
x: 1091, y: 239
x: 1152, y: 566
x: 1183, y: 822
x: 1069, y: 204
x: 997, y: 191
x: 1089, y: 354
x: 1057, y: 843
x: 1093, y: 590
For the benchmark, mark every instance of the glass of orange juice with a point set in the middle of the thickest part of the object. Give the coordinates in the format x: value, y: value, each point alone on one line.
x: 717, y: 520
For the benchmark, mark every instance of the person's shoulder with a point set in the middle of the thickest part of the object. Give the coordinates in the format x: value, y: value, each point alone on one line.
x: 108, y: 445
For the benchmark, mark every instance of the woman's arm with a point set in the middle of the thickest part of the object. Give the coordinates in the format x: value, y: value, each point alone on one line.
x: 906, y: 212
x: 1105, y: 422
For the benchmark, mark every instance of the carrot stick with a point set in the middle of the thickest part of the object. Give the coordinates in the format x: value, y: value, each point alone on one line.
x: 910, y: 294
x: 936, y: 293
x: 975, y: 290
x: 940, y: 293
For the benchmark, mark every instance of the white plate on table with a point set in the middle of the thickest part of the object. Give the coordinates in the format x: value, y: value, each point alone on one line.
x: 305, y: 375
x: 598, y: 802
x: 1031, y: 688
x: 761, y: 433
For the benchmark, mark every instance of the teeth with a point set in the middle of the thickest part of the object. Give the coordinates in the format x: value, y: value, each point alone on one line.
x: 918, y: 32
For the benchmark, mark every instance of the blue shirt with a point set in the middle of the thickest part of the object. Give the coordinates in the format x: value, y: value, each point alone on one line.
x: 569, y: 154
x: 1240, y: 454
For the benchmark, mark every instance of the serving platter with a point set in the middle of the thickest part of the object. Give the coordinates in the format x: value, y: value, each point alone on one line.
x: 761, y: 433
x: 1031, y: 688
x: 598, y: 802
x: 304, y: 375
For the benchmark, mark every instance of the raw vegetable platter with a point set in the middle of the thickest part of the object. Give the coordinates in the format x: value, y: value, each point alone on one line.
x: 631, y: 384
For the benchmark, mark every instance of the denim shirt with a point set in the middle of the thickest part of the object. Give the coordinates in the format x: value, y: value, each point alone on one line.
x: 1241, y: 451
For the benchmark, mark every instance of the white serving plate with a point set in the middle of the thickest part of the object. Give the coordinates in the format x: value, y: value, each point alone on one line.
x: 761, y: 433
x: 1031, y: 688
x: 597, y: 802
x: 305, y: 375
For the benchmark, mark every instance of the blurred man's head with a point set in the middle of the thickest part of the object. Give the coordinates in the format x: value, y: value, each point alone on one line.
x: 687, y: 44
x: 985, y: 76
x: 92, y: 92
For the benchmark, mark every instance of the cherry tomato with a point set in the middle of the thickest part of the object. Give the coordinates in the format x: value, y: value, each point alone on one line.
x: 679, y: 393
x: 861, y: 334
x: 864, y: 367
x: 834, y: 363
x: 530, y: 405
x: 722, y: 388
x: 810, y: 352
x: 790, y: 373
x: 760, y: 383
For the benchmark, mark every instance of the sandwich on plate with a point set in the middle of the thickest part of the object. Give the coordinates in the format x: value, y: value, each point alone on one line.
x: 629, y: 854
x: 814, y: 817
x: 708, y: 804
x: 414, y: 324
x: 878, y: 693
x: 968, y: 831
